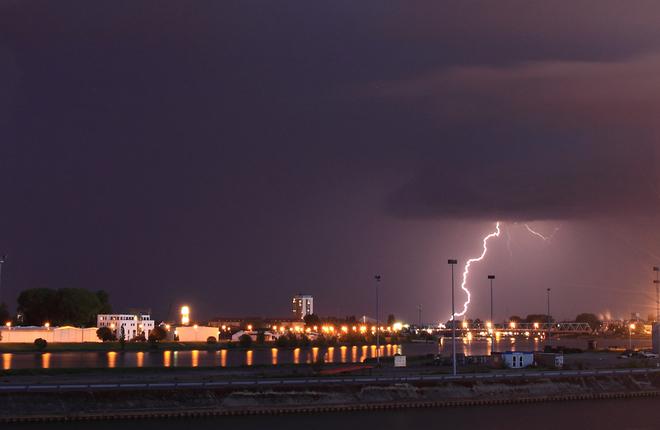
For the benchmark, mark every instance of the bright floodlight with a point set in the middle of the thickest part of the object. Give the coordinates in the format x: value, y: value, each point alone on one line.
x: 185, y: 315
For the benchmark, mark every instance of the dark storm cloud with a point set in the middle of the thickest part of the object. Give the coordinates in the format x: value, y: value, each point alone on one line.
x: 229, y: 153
x: 550, y: 140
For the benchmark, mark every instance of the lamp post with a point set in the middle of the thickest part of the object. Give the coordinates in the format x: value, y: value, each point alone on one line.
x: 3, y: 258
x: 656, y: 281
x: 492, y: 322
x: 631, y: 327
x: 549, y: 322
x: 453, y: 320
x: 419, y: 309
x: 377, y: 278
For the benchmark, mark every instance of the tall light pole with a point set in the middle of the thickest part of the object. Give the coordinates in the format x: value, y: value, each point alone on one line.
x: 453, y: 320
x: 656, y: 281
x: 377, y: 278
x: 419, y: 309
x: 3, y: 258
x: 631, y: 327
x: 549, y: 322
x: 492, y: 322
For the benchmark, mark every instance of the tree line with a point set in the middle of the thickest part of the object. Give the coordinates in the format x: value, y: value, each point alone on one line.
x: 58, y: 307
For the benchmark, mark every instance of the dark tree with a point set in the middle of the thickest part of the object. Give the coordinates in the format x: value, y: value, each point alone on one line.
x: 245, y: 341
x: 391, y: 319
x: 157, y: 334
x: 590, y: 319
x: 105, y: 334
x: 536, y: 318
x: 66, y: 306
x: 515, y: 319
x: 261, y: 337
x: 40, y: 343
x: 312, y: 320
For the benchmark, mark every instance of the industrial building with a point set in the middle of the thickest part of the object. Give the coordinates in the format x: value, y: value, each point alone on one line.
x: 49, y: 334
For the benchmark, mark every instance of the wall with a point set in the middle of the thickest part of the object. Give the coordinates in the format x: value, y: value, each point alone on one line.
x: 51, y: 335
x: 196, y: 333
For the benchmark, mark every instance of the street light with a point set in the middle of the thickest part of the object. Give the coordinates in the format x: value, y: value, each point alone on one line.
x: 549, y: 322
x: 3, y: 258
x: 631, y: 327
x: 656, y: 281
x: 453, y: 320
x: 492, y: 332
x: 377, y: 278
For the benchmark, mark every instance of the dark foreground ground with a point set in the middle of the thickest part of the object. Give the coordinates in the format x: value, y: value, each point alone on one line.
x: 621, y: 414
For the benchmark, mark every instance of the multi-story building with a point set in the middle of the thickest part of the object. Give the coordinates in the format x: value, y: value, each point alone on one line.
x: 303, y: 304
x: 133, y: 324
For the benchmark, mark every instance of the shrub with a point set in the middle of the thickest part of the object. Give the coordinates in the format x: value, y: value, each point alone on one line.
x: 245, y: 341
x: 41, y: 344
x: 282, y: 342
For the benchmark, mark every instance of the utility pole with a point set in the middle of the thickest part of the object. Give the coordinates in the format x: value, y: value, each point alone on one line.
x: 453, y: 320
x: 549, y: 319
x: 3, y: 258
x: 492, y: 321
x: 377, y: 278
x: 656, y: 281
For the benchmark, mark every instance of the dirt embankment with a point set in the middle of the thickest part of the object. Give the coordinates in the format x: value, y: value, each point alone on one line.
x: 164, y: 403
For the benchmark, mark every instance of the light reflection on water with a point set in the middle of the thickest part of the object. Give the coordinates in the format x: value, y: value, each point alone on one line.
x: 45, y: 360
x: 276, y: 356
x: 112, y: 359
x: 6, y: 361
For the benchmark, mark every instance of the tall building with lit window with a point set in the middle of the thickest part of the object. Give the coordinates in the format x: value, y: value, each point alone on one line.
x: 302, y: 304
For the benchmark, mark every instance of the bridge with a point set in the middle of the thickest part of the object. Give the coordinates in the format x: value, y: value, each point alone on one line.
x: 524, y: 329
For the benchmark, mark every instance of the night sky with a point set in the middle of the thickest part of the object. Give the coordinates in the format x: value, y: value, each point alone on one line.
x: 227, y: 154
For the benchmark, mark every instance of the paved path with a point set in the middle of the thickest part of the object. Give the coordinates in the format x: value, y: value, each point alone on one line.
x: 360, y: 380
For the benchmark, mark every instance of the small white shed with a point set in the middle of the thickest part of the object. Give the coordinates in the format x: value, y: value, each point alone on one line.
x: 518, y: 360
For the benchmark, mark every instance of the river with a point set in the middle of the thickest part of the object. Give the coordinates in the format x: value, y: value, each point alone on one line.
x: 274, y: 356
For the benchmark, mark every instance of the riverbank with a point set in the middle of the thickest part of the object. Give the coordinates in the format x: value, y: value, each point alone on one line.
x: 193, y: 402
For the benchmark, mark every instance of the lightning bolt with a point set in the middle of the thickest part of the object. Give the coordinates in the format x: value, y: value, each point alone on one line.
x: 537, y: 234
x: 466, y: 269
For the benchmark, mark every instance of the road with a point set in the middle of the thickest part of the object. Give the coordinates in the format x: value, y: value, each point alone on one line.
x: 309, y: 381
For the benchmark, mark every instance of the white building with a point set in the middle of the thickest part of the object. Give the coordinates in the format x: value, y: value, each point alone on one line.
x: 303, y: 304
x: 268, y: 336
x: 133, y: 325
